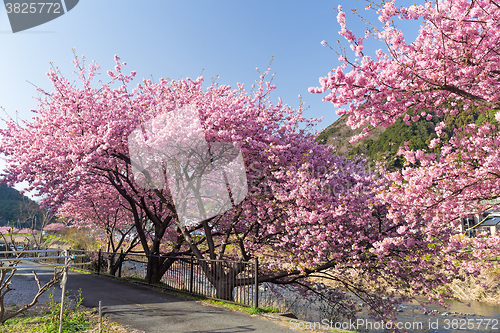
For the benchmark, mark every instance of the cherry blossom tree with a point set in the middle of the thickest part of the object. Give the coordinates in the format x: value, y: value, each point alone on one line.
x: 463, y: 180
x: 100, y: 206
x: 8, y: 230
x: 93, y: 142
x: 452, y: 64
x: 56, y: 227
x: 307, y: 211
x: 451, y: 67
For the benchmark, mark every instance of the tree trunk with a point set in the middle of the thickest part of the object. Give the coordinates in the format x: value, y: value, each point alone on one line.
x: 223, y: 275
x: 114, y: 265
x: 224, y: 289
x: 156, y: 268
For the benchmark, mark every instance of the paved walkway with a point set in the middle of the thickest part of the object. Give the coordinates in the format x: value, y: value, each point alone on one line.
x: 144, y: 308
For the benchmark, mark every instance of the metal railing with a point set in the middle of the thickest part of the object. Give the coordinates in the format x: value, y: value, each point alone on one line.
x: 43, y: 258
x: 187, y: 275
x: 202, y: 277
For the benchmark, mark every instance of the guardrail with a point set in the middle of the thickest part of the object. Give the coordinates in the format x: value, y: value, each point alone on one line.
x: 34, y: 255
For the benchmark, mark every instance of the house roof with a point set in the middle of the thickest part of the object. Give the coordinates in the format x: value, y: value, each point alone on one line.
x: 490, y: 221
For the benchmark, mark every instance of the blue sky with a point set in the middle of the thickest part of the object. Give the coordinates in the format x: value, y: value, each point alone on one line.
x: 179, y: 39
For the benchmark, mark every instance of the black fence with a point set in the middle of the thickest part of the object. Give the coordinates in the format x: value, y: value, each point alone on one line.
x: 185, y: 274
x: 189, y: 275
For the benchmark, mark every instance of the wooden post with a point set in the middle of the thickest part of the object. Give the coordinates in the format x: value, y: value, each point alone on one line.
x: 100, y: 317
x: 99, y: 262
x: 256, y: 276
x: 121, y: 263
x: 63, y: 287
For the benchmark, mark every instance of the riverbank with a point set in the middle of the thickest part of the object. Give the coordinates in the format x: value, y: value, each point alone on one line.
x: 487, y: 291
x: 484, y: 288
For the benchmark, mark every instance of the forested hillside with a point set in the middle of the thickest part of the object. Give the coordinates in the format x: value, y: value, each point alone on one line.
x: 383, y: 143
x: 16, y: 207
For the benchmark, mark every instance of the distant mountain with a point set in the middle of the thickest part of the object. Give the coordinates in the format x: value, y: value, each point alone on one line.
x: 17, y: 208
x: 384, y: 143
x: 338, y: 134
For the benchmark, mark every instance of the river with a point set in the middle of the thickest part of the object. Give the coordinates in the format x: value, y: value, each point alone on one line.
x: 479, y: 317
x: 458, y: 317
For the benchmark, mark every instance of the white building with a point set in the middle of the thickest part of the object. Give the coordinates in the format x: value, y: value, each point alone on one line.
x: 488, y: 221
x: 491, y: 223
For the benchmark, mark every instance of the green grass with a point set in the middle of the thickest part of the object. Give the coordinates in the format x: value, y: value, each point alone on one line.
x: 231, y: 306
x: 81, y: 271
x: 240, y: 308
x: 47, y: 320
x: 75, y: 321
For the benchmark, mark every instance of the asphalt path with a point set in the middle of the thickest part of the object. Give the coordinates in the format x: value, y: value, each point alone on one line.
x: 153, y: 311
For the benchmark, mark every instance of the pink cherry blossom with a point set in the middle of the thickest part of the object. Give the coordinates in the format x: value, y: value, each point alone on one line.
x: 309, y: 211
x: 455, y: 56
x: 55, y: 227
